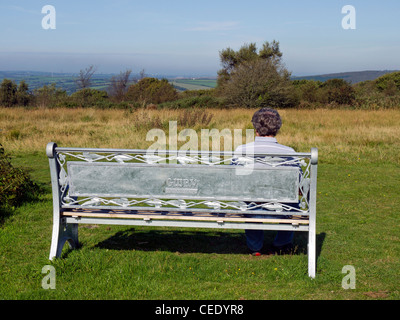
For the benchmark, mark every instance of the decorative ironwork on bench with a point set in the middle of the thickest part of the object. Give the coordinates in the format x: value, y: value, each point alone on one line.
x: 203, y: 158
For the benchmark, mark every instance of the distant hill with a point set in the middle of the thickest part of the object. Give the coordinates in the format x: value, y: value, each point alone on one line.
x: 352, y: 77
x: 66, y: 81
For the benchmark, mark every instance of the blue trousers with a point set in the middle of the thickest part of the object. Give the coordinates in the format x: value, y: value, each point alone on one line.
x: 255, y: 238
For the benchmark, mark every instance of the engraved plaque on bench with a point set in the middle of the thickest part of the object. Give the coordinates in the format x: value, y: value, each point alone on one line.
x: 174, y: 181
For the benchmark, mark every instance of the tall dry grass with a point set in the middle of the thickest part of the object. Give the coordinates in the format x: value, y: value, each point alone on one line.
x: 340, y: 135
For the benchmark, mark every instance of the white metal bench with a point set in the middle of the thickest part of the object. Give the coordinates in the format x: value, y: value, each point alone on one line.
x: 182, y: 189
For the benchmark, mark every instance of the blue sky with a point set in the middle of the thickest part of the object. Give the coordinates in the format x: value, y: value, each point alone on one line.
x: 184, y: 37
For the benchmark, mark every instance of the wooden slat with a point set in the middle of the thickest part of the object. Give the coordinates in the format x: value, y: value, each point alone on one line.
x: 294, y: 220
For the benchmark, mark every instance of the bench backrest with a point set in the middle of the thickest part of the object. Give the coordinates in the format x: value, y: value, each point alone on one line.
x: 191, y: 181
x: 137, y: 180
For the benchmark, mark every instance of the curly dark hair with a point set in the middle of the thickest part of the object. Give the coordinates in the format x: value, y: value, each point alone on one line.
x: 266, y: 122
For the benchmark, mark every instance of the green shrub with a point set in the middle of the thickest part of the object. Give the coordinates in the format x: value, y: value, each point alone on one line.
x: 307, y: 91
x: 387, y: 81
x: 197, y: 93
x: 381, y: 93
x: 50, y: 96
x: 333, y: 92
x: 151, y: 90
x: 259, y: 84
x: 338, y: 91
x: 88, y: 97
x: 15, y: 185
x: 202, y: 101
x: 8, y: 93
x: 24, y: 97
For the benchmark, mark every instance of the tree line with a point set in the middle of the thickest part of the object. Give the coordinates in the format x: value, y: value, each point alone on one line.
x: 249, y: 78
x: 122, y: 92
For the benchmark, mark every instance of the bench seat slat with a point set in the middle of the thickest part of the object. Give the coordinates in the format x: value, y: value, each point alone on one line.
x: 294, y: 220
x: 177, y: 210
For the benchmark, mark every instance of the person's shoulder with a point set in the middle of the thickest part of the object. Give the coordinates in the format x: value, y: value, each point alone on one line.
x: 269, y: 147
x: 244, y: 147
x: 286, y: 148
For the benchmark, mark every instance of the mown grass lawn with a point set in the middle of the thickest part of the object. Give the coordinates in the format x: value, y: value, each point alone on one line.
x: 357, y: 225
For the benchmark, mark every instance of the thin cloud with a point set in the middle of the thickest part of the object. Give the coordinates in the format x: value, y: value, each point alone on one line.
x: 21, y: 9
x: 215, y: 26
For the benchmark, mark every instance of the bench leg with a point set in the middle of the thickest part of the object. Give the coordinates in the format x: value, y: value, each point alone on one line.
x: 311, y: 253
x: 63, y: 232
x: 312, y: 227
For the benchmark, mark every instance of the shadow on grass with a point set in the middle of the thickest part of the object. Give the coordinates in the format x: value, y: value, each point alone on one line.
x: 197, y: 241
x: 5, y: 213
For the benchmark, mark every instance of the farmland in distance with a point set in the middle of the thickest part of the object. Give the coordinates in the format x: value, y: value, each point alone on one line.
x: 193, y: 84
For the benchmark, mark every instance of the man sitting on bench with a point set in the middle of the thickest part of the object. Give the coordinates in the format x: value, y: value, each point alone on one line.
x: 267, y: 123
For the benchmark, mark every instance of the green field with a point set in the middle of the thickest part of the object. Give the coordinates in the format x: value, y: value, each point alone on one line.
x: 64, y: 81
x: 194, y: 84
x: 67, y: 81
x: 357, y: 217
